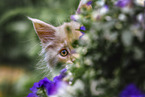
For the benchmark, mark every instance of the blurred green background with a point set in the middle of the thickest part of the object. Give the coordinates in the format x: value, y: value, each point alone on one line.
x: 19, y: 44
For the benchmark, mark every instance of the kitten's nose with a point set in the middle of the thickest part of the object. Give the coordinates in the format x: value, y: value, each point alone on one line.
x: 71, y: 60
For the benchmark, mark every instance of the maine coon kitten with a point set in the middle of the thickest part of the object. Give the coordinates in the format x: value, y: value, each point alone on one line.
x: 56, y: 41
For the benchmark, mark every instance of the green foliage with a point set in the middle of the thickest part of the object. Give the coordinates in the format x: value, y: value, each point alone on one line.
x: 112, y: 50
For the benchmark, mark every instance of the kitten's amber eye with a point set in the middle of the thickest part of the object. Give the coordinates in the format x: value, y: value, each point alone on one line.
x: 63, y: 52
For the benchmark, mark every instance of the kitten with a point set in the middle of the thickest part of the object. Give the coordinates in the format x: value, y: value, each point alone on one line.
x: 56, y: 41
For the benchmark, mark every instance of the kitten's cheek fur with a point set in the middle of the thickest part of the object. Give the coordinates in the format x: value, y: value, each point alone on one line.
x: 66, y: 59
x: 76, y: 55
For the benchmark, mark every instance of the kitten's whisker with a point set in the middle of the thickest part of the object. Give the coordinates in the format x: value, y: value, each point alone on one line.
x: 59, y: 22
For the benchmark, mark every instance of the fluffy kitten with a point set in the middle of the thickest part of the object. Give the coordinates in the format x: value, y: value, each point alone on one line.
x: 56, y: 41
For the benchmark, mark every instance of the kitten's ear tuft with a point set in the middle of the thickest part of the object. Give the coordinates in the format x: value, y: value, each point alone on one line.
x: 45, y: 32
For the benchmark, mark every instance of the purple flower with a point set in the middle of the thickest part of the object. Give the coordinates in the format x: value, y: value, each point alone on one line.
x: 89, y: 3
x: 63, y: 71
x: 56, y: 84
x: 106, y: 6
x: 131, y: 91
x: 75, y: 17
x: 82, y: 35
x: 51, y: 87
x: 104, y: 10
x: 34, y: 88
x: 44, y: 82
x: 32, y: 95
x: 82, y: 28
x: 72, y: 17
x: 123, y: 3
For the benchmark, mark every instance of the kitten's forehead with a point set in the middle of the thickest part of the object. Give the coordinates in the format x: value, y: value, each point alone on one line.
x: 57, y: 45
x: 69, y: 31
x: 65, y: 44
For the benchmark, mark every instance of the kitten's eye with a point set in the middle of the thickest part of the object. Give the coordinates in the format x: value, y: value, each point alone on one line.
x: 63, y: 52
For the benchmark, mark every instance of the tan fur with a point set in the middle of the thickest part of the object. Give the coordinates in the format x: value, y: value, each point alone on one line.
x: 54, y: 39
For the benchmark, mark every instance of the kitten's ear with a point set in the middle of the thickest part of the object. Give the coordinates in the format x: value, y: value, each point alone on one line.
x: 84, y: 4
x: 45, y: 32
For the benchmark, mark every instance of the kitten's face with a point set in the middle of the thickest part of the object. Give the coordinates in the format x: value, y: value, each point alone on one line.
x: 56, y: 41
